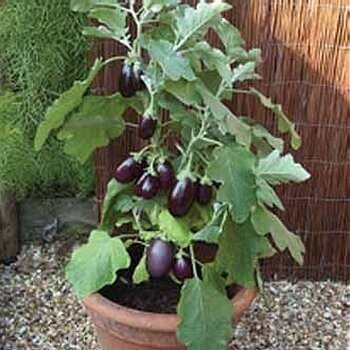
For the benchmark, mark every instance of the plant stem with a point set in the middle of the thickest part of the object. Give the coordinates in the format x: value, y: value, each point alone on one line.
x: 193, y: 260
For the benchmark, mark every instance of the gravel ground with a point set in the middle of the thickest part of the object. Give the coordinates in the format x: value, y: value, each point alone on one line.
x: 39, y: 311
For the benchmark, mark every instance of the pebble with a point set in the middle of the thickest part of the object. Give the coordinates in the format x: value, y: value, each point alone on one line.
x: 40, y: 312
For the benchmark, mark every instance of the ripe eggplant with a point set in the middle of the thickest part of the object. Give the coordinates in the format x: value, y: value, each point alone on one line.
x: 147, y: 186
x: 129, y: 82
x: 159, y: 258
x: 181, y: 197
x: 166, y: 175
x: 146, y: 127
x: 182, y: 268
x: 128, y: 170
x: 204, y: 193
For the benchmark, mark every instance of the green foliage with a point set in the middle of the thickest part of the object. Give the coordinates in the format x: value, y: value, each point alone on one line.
x: 94, y: 265
x: 140, y: 274
x: 41, y: 52
x: 205, y: 316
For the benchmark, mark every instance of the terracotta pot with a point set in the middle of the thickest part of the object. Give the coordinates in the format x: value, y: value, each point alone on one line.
x: 121, y: 328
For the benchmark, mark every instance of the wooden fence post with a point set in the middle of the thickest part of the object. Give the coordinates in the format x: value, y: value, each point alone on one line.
x: 9, y: 242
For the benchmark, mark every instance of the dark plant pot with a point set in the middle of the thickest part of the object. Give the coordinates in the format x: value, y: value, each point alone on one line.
x: 121, y: 328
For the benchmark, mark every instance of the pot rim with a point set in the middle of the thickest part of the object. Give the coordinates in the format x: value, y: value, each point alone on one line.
x: 152, y: 320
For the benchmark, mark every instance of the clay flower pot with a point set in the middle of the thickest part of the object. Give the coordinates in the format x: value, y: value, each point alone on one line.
x: 121, y: 328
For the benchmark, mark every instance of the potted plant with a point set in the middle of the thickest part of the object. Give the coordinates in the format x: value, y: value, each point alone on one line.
x: 199, y: 213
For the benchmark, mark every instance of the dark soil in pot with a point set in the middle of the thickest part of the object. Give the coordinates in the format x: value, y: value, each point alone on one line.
x: 161, y: 296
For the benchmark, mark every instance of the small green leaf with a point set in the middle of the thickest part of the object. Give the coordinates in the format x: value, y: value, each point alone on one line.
x: 230, y: 36
x: 94, y: 265
x: 114, y: 190
x: 233, y: 166
x: 124, y: 203
x: 174, y: 65
x: 213, y: 58
x: 244, y: 72
x: 114, y: 19
x: 266, y: 222
x: 205, y: 316
x: 275, y: 142
x: 267, y: 194
x: 196, y: 21
x: 226, y: 120
x: 277, y: 169
x: 140, y: 274
x: 56, y: 114
x: 284, y: 125
x: 240, y: 247
x: 97, y: 122
x: 174, y: 229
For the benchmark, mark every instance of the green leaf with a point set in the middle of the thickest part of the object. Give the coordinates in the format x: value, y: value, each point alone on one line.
x: 140, y: 274
x: 174, y: 229
x: 87, y: 5
x: 267, y: 194
x: 196, y: 21
x: 97, y: 122
x: 213, y: 277
x: 114, y: 19
x: 226, y: 120
x: 244, y: 72
x: 184, y: 91
x: 230, y: 36
x: 205, y: 317
x: 157, y: 5
x: 124, y: 203
x: 211, y: 232
x: 240, y: 247
x: 277, y: 169
x: 213, y: 58
x: 275, y: 142
x: 56, y: 114
x: 95, y: 264
x: 174, y: 65
x: 114, y: 190
x: 266, y: 222
x: 233, y: 166
x: 284, y: 125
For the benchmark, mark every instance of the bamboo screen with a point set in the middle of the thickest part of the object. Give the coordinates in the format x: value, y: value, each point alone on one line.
x: 306, y: 67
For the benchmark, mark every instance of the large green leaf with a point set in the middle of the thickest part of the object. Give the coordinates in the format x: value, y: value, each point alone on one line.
x: 56, y: 114
x: 284, y: 125
x: 233, y: 166
x: 95, y: 264
x: 266, y: 222
x: 240, y: 247
x: 277, y: 169
x: 205, y: 316
x: 174, y: 65
x: 196, y: 21
x: 174, y: 229
x: 97, y: 122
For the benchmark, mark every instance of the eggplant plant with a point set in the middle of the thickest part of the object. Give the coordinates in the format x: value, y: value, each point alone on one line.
x: 214, y: 185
